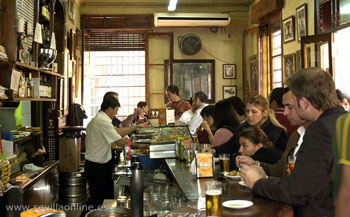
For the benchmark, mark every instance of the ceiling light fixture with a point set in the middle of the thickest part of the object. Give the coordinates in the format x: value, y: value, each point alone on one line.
x: 172, y: 5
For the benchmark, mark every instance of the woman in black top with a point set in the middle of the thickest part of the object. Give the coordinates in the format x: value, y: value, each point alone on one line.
x: 254, y: 143
x: 260, y: 115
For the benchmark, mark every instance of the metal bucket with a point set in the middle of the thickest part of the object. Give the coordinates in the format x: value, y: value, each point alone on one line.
x: 112, y: 212
x: 72, y: 188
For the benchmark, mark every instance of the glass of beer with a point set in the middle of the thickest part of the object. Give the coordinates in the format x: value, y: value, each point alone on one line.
x: 291, y: 164
x: 224, y: 163
x: 188, y: 156
x: 213, y: 197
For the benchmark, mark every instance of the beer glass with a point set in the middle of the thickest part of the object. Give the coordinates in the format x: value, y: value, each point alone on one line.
x: 188, y: 156
x: 213, y: 197
x: 224, y: 163
x: 291, y: 164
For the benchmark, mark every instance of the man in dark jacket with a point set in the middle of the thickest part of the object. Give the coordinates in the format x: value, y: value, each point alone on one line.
x: 309, y: 187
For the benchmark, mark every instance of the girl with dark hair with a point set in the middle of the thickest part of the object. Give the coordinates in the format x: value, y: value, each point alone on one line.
x: 207, y: 129
x: 254, y: 143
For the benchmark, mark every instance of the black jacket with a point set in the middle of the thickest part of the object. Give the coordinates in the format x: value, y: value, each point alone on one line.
x: 309, y: 187
x: 266, y: 155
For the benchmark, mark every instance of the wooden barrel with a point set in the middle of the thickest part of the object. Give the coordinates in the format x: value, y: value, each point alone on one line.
x: 72, y: 188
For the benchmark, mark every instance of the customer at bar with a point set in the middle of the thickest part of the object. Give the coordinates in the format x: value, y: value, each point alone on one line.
x: 142, y: 111
x: 344, y: 100
x: 260, y: 115
x: 254, y: 143
x: 101, y: 137
x: 180, y: 105
x: 123, y: 127
x: 192, y: 117
x: 276, y: 104
x: 239, y: 108
x: 341, y: 175
x: 225, y: 140
x: 206, y: 126
x: 309, y: 187
x: 280, y: 169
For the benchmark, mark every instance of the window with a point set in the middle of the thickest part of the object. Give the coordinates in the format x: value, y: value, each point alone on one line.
x: 276, y: 56
x: 119, y: 71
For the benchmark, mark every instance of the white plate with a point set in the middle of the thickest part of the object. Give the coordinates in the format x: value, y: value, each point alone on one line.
x: 242, y: 183
x: 237, y: 204
x: 233, y: 177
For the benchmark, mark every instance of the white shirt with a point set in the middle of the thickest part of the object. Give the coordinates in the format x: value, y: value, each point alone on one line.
x: 301, y: 131
x: 193, y: 119
x: 100, y: 134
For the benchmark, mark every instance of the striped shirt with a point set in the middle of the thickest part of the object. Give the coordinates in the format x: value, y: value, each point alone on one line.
x: 341, y: 148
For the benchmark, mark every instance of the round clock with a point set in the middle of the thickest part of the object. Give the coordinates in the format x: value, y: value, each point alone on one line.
x: 190, y: 44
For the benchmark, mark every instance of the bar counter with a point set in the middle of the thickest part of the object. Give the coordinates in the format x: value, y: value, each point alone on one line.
x: 194, y: 188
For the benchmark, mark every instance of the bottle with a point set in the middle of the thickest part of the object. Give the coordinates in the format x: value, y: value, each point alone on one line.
x: 49, y: 89
x: 136, y: 189
x: 46, y: 88
x: 42, y: 87
x: 181, y: 150
x: 29, y: 86
x: 22, y: 87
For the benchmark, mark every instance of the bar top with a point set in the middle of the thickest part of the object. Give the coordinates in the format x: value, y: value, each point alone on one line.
x: 194, y: 188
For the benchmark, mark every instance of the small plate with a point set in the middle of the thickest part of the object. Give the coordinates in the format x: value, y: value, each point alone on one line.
x: 242, y: 183
x: 237, y: 204
x: 233, y: 177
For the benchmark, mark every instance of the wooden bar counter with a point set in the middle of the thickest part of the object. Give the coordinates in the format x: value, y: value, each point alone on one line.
x: 194, y: 188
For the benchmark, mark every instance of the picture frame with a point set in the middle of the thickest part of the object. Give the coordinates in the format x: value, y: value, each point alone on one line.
x: 191, y: 76
x: 71, y: 10
x: 288, y: 29
x: 229, y: 71
x: 288, y: 66
x: 301, y: 21
x: 228, y: 91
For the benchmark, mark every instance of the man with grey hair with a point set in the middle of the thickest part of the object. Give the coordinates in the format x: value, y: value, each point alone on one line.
x: 309, y: 187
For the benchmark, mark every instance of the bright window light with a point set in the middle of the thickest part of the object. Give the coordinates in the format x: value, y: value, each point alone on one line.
x: 172, y: 5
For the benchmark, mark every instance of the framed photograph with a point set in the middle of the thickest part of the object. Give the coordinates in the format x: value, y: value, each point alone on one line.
x: 288, y: 29
x: 191, y: 76
x: 288, y: 66
x: 228, y: 91
x: 229, y: 71
x: 301, y: 20
x: 71, y: 10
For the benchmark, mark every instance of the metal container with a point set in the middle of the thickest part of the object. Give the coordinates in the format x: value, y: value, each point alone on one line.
x: 112, y: 212
x: 72, y: 188
x: 136, y: 186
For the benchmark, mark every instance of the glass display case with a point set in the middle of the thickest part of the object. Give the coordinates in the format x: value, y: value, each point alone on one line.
x: 162, y: 140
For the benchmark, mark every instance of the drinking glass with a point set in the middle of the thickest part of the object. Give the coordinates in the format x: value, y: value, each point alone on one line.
x: 224, y: 163
x: 213, y: 197
x: 188, y: 156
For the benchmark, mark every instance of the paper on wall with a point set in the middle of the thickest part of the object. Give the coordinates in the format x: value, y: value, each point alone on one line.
x: 15, y: 76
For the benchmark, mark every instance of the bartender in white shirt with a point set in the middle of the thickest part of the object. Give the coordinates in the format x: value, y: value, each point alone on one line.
x: 101, y: 137
x: 193, y: 117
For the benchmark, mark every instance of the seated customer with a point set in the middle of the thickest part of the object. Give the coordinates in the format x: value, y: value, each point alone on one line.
x: 142, y: 111
x: 239, y: 107
x: 254, y: 143
x: 207, y: 125
x: 180, y: 105
x: 192, y: 117
x: 226, y: 123
x: 260, y: 115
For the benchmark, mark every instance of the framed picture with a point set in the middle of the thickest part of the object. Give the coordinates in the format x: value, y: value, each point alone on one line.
x: 301, y: 20
x: 288, y: 66
x: 228, y: 91
x: 191, y: 76
x: 229, y: 71
x: 71, y: 10
x: 288, y: 29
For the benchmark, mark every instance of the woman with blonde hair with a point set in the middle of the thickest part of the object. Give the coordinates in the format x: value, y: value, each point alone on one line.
x: 260, y: 115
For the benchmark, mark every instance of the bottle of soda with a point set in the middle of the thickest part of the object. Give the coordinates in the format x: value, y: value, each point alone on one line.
x: 181, y: 150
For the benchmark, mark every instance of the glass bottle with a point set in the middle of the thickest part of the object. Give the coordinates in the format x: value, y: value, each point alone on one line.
x: 181, y: 150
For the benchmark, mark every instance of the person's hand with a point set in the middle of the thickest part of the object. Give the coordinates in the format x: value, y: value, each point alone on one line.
x: 208, y: 149
x: 205, y: 125
x: 251, y: 174
x: 141, y: 125
x: 241, y: 159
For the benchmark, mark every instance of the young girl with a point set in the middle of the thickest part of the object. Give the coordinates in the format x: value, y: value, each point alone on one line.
x: 254, y: 143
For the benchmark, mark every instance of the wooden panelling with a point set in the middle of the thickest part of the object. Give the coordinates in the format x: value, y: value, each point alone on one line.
x: 264, y: 8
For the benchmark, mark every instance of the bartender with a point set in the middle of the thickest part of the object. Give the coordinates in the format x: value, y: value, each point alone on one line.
x: 101, y: 137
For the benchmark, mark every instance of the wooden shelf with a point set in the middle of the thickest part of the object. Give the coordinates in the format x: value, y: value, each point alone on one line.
x: 4, y: 98
x: 35, y: 99
x: 50, y: 73
x: 26, y: 138
x: 26, y: 66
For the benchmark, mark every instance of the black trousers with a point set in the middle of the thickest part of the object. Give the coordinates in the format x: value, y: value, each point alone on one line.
x: 99, y: 177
